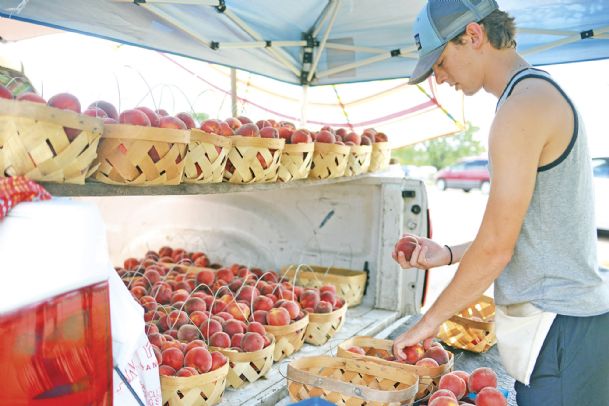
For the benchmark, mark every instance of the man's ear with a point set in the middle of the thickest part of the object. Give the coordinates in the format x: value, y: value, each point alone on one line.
x: 476, y: 34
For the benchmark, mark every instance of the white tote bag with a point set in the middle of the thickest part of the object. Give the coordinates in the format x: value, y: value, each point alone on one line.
x: 521, y: 330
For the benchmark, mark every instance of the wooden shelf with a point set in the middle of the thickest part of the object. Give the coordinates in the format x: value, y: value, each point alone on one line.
x: 93, y: 188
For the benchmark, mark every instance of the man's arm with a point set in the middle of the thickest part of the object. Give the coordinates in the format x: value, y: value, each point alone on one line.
x: 518, y: 136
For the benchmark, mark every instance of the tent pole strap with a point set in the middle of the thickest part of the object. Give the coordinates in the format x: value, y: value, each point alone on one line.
x: 233, y: 91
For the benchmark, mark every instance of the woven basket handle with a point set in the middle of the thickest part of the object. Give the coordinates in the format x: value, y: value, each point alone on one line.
x: 350, y: 389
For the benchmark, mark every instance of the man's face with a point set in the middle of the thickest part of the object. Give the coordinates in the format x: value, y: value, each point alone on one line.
x: 457, y: 67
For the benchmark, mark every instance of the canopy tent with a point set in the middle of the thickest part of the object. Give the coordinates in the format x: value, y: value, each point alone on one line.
x: 313, y: 42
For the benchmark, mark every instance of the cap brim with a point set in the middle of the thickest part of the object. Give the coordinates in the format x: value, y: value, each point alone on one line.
x: 424, y: 66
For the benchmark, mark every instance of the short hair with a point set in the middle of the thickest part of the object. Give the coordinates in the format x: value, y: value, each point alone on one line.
x: 500, y: 30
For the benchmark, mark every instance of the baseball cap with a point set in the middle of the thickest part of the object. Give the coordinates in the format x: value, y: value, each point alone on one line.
x: 439, y: 22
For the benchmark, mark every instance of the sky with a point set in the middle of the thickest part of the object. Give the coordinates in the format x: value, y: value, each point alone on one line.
x: 95, y: 69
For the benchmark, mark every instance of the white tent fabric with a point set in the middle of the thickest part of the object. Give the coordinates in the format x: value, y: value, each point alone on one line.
x: 313, y: 42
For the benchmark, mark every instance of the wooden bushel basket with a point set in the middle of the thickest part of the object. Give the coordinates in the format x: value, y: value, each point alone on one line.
x: 206, y: 157
x: 323, y: 326
x: 376, y: 350
x: 296, y: 160
x: 345, y: 381
x: 381, y: 155
x: 33, y: 142
x: 329, y: 161
x: 359, y: 160
x: 350, y: 284
x: 253, y: 159
x: 460, y: 331
x: 126, y: 155
x: 247, y: 367
x: 199, y: 390
x: 288, y: 339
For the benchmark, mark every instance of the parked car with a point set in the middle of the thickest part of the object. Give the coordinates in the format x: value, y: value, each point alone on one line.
x: 467, y: 175
x: 600, y: 168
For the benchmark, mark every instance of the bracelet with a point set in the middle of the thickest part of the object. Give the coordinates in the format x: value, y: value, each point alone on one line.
x: 451, y: 254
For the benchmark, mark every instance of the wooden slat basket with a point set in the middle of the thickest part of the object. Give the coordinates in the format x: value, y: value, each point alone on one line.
x: 323, y: 326
x: 253, y: 159
x: 296, y: 160
x: 288, y: 339
x: 141, y: 156
x: 247, y: 367
x: 199, y: 390
x: 206, y: 157
x: 33, y: 142
x: 359, y: 160
x: 329, y: 161
x: 381, y: 155
x: 473, y: 328
x: 350, y: 284
x: 345, y: 381
x: 377, y: 350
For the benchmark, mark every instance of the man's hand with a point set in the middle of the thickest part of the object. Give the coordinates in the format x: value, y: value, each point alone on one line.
x: 418, y: 333
x: 427, y: 254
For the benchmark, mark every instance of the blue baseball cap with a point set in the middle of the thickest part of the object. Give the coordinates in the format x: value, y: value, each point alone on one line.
x: 439, y: 22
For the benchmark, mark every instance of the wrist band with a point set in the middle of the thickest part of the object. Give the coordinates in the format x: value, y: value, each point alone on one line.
x: 451, y: 254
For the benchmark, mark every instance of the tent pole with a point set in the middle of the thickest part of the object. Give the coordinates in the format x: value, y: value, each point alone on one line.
x: 574, y: 38
x: 320, y: 21
x: 260, y: 44
x: 233, y: 91
x: 279, y: 53
x: 303, y: 106
x: 368, y: 61
x: 176, y: 23
x: 322, y: 44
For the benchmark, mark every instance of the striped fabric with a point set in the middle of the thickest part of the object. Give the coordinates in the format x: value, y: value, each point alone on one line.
x: 17, y: 189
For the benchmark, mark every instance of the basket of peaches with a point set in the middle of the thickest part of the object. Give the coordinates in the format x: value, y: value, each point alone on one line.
x: 429, y: 360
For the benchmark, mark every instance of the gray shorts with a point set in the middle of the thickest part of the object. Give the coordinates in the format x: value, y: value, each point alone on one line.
x: 573, y: 366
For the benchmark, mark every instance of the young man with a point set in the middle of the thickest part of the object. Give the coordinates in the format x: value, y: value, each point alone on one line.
x: 537, y: 239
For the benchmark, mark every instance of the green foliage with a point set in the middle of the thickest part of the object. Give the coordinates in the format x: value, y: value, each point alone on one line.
x: 441, y: 152
x: 200, y: 117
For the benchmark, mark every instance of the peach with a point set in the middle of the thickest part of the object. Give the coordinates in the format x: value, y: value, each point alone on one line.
x: 217, y: 360
x: 414, y: 353
x: 211, y: 126
x: 252, y: 342
x: 177, y: 319
x: 173, y: 357
x: 232, y: 327
x: 225, y: 274
x: 444, y: 401
x: 278, y: 316
x: 325, y: 137
x: 356, y: 139
x: 442, y: 393
x: 263, y: 303
x: 235, y: 341
x: 188, y: 332
x: 151, y: 328
x: 256, y: 327
x: 198, y: 358
x: 194, y: 344
x: 267, y: 341
x: 239, y: 311
x: 218, y: 307
x: 309, y: 298
x: 185, y: 372
x: 95, y: 112
x: 233, y: 123
x: 5, y: 93
x: 105, y: 106
x: 148, y: 303
x: 366, y: 140
x: 465, y: 376
x: 323, y: 307
x: 194, y: 304
x: 269, y: 132
x: 248, y: 293
x: 172, y: 122
x: 31, y: 97
x: 225, y: 316
x: 406, y: 245
x: 482, y: 378
x: 134, y: 117
x: 327, y: 288
x: 179, y: 295
x: 152, y: 116
x: 197, y: 317
x: 172, y: 332
x: 356, y: 350
x: 437, y: 353
x: 453, y: 383
x: 220, y: 339
x: 427, y: 362
x: 260, y: 316
x: 248, y: 130
x: 292, y: 307
x: 286, y: 134
x: 427, y: 343
x: 162, y: 293
x: 157, y: 354
x: 201, y: 262
x: 490, y: 397
x: 166, y: 370
x: 380, y: 137
x: 65, y: 101
x: 188, y: 121
x: 244, y: 120
x: 340, y: 302
x: 209, y: 328
x: 156, y: 339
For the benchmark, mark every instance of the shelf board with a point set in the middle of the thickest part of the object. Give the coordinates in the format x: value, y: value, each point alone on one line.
x: 361, y: 320
x: 94, y: 188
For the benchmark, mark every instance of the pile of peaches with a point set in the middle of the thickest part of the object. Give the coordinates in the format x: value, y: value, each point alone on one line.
x: 191, y: 303
x: 453, y: 387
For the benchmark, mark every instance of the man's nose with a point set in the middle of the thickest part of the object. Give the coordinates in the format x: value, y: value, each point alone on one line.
x: 440, y: 76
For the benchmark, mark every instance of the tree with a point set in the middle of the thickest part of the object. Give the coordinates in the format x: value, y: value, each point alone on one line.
x: 443, y: 151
